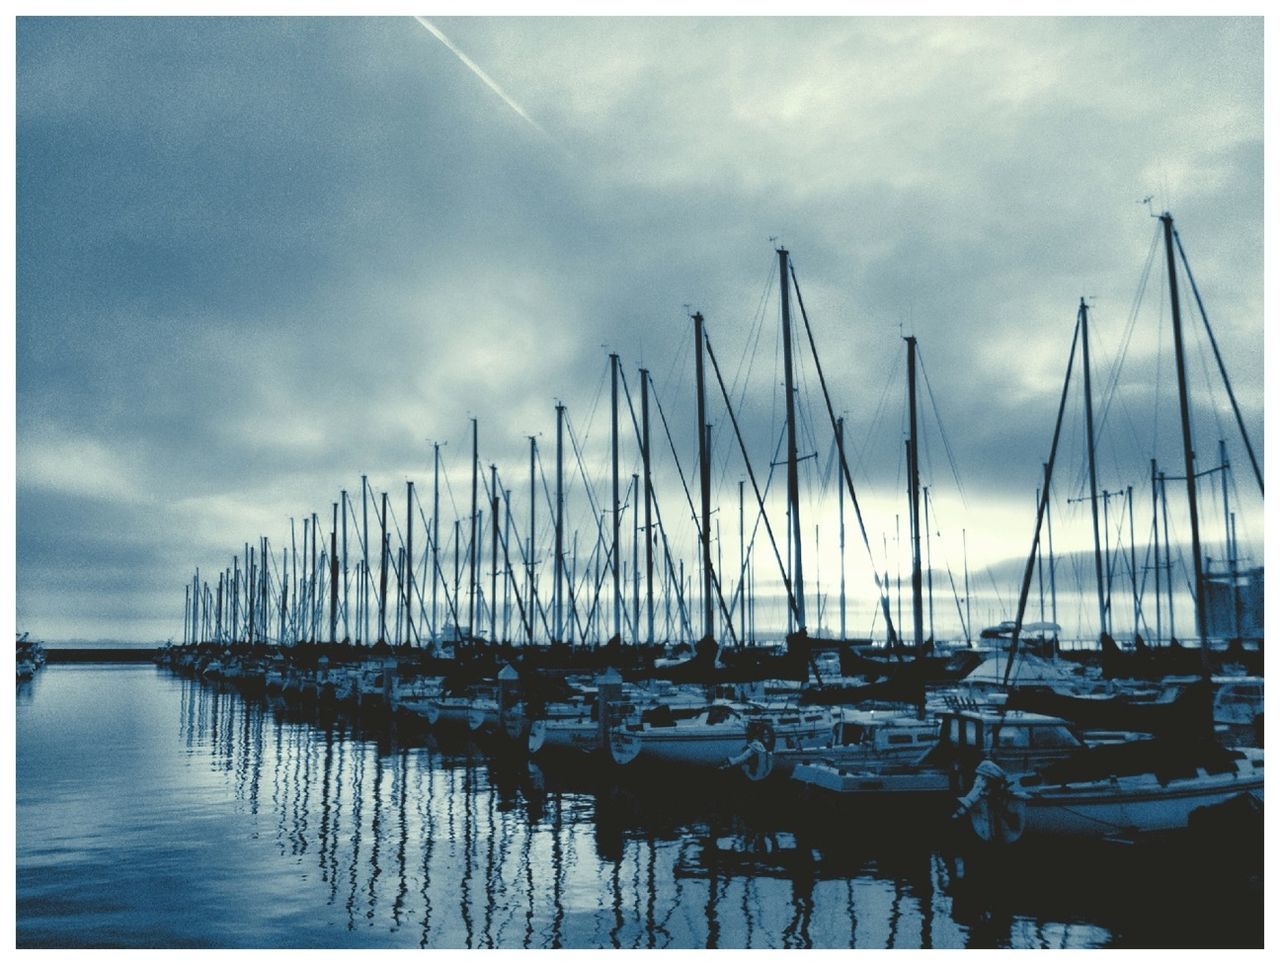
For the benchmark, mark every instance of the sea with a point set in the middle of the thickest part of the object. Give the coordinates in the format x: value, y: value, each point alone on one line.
x: 156, y: 811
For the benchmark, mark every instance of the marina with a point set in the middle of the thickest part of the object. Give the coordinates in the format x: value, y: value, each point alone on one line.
x: 483, y: 533
x: 334, y: 833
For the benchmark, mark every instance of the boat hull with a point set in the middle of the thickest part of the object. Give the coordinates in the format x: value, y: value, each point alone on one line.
x: 1127, y: 811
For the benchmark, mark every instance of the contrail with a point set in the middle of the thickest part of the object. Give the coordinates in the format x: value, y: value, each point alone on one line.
x: 489, y: 81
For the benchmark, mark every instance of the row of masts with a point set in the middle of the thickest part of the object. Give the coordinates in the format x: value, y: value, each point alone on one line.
x: 1158, y: 479
x: 253, y: 593
x: 206, y: 604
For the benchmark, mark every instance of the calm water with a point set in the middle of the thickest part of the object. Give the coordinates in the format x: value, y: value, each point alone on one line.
x: 156, y: 811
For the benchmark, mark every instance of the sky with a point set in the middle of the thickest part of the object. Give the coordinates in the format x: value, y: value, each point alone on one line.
x: 258, y: 258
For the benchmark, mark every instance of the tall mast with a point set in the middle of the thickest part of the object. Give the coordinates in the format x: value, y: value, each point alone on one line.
x: 1168, y: 560
x: 1155, y: 531
x: 435, y: 541
x: 840, y: 499
x: 494, y: 516
x: 508, y: 575
x: 635, y: 556
x: 346, y: 626
x: 793, y: 474
x: 382, y: 577
x: 533, y: 532
x: 333, y: 578
x: 648, y: 498
x: 617, y: 521
x: 284, y: 595
x: 559, y: 561
x: 742, y: 559
x: 472, y: 586
x: 251, y: 591
x: 1228, y: 521
x: 317, y: 591
x: 1188, y: 451
x: 704, y: 473
x: 364, y: 540
x: 913, y: 473
x: 293, y: 544
x: 1093, y: 465
x: 235, y: 598
x: 408, y: 563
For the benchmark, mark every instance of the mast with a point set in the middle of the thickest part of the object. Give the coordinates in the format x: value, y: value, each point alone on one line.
x: 382, y: 590
x: 293, y: 543
x: 508, y: 576
x: 1093, y: 466
x: 913, y: 473
x: 533, y: 518
x: 617, y: 520
x: 1188, y: 451
x: 317, y: 591
x: 840, y: 499
x: 235, y: 598
x: 1168, y: 560
x: 333, y: 578
x: 704, y: 475
x: 495, y: 516
x: 364, y: 540
x: 1228, y: 521
x: 793, y: 475
x: 408, y: 563
x: 648, y: 499
x: 742, y: 557
x: 250, y: 590
x: 1155, y: 531
x: 635, y: 556
x: 472, y: 586
x: 304, y: 585
x: 435, y: 541
x: 559, y: 561
x: 968, y: 611
x: 346, y: 611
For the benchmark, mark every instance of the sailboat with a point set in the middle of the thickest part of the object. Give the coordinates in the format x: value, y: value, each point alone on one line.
x: 1118, y: 791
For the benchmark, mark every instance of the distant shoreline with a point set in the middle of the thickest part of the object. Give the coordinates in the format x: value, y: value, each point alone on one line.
x: 99, y: 654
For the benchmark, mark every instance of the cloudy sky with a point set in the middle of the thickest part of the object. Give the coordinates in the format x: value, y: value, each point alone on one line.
x: 258, y: 258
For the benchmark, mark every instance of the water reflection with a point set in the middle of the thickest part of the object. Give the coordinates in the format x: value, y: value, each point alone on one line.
x: 432, y: 841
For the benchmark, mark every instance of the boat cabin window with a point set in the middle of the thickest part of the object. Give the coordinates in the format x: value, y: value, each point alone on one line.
x: 717, y: 714
x: 659, y: 716
x: 899, y: 738
x: 1053, y: 737
x: 1010, y: 737
x: 852, y: 733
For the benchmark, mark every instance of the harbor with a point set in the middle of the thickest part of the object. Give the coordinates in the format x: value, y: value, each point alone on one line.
x: 337, y: 831
x: 445, y: 522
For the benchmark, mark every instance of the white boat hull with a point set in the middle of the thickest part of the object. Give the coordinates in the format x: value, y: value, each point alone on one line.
x: 1128, y: 810
x: 704, y: 745
x: 835, y: 779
